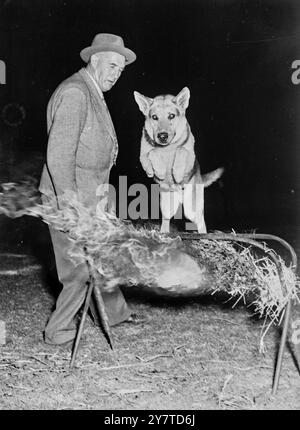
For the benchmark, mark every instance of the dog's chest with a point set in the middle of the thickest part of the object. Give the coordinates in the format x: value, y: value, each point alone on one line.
x: 164, y: 160
x: 167, y: 155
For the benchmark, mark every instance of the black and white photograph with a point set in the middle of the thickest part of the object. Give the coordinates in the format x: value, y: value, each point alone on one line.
x: 149, y: 207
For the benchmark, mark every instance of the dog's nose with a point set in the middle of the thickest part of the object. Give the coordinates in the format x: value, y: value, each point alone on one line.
x: 163, y: 136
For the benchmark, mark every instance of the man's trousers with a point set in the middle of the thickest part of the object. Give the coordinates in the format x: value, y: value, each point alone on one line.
x: 61, y: 326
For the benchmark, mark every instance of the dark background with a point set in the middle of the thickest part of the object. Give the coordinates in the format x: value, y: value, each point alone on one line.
x: 235, y: 57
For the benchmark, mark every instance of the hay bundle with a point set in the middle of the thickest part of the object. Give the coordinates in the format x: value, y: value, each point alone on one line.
x: 243, y: 275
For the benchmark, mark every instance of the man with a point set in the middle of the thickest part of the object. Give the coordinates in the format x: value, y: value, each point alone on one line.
x: 82, y: 148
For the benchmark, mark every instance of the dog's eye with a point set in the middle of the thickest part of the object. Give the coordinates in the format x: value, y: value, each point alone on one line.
x: 155, y: 117
x: 171, y: 116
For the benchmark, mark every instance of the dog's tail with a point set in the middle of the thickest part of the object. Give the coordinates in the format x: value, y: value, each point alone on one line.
x: 211, y: 177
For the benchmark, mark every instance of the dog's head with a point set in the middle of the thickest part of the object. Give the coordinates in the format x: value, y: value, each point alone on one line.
x: 165, y: 116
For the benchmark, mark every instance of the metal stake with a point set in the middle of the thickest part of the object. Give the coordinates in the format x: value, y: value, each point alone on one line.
x: 282, y: 346
x: 100, y: 305
x: 94, y: 286
x: 82, y: 321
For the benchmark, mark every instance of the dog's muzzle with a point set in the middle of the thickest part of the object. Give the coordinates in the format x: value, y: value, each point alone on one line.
x: 163, y: 137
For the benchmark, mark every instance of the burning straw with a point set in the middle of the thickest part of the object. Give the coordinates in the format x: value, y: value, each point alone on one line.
x: 125, y: 255
x: 242, y: 274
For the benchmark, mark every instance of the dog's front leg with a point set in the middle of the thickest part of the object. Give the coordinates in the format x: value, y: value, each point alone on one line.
x: 183, y: 163
x: 160, y: 170
x: 145, y: 150
x: 147, y: 166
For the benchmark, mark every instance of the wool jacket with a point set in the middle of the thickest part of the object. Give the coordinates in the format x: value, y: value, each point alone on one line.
x: 82, y: 144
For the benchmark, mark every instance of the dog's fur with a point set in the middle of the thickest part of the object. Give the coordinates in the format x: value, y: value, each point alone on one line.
x: 167, y: 154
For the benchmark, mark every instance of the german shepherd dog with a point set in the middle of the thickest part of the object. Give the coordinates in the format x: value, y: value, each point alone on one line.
x: 167, y: 154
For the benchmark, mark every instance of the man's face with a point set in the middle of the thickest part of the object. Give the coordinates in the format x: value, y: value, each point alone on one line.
x: 108, y: 67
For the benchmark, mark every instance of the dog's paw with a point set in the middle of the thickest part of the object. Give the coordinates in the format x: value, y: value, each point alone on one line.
x: 161, y: 175
x: 175, y: 187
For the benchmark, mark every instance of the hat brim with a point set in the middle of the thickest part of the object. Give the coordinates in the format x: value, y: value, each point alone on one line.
x: 129, y: 55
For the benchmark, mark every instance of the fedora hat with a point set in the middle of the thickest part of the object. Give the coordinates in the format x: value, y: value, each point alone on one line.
x: 104, y: 42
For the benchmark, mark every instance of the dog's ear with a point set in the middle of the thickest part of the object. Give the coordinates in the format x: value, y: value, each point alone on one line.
x: 143, y: 102
x: 182, y: 99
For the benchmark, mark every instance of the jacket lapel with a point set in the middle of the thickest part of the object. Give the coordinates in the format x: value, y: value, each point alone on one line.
x: 99, y: 104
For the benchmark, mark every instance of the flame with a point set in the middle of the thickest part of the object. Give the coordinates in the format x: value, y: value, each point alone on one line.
x: 120, y: 252
x: 16, y: 199
x: 126, y: 255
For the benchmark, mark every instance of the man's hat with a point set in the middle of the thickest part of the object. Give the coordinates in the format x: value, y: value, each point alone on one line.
x: 104, y: 42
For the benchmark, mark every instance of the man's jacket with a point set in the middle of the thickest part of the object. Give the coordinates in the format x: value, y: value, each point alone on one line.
x: 82, y: 144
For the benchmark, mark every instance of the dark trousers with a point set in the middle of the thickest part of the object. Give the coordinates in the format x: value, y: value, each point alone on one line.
x: 61, y: 326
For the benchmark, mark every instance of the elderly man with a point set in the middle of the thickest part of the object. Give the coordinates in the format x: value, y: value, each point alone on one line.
x: 82, y: 149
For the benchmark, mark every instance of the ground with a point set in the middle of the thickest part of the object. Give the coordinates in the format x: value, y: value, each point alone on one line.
x: 193, y: 354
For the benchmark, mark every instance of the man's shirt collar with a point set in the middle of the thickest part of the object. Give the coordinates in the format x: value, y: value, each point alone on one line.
x: 96, y: 85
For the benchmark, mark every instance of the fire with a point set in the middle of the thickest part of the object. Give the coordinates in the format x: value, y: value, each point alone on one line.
x: 126, y: 255
x: 16, y: 199
x: 120, y: 252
